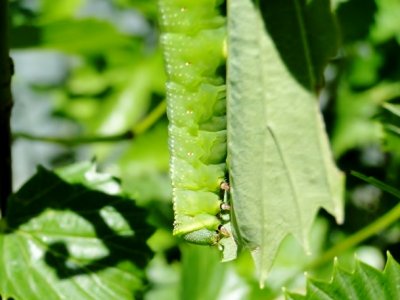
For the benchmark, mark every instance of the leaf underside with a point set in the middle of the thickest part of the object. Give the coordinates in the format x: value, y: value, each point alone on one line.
x: 280, y: 163
x: 364, y: 283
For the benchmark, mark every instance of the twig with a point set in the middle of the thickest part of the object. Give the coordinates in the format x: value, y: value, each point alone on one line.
x: 141, y: 127
x: 372, y: 229
x: 6, y: 103
x: 74, y: 141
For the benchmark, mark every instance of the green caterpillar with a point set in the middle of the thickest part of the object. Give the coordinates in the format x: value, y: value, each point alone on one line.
x: 193, y: 33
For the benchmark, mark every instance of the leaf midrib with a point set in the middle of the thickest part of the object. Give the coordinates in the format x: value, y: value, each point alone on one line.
x: 305, y: 43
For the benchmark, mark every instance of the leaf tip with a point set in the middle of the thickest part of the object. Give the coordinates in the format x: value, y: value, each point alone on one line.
x: 339, y: 214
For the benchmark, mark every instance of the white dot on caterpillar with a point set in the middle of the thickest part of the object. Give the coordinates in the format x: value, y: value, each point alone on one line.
x: 190, y: 154
x: 183, y: 9
x: 189, y: 112
x: 187, y: 63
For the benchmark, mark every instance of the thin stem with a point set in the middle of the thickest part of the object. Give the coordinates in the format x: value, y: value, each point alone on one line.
x: 378, y: 225
x: 140, y: 128
x: 151, y: 118
x: 6, y: 69
x: 74, y: 141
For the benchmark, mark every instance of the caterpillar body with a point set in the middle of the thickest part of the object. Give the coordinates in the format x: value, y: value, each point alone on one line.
x: 193, y: 33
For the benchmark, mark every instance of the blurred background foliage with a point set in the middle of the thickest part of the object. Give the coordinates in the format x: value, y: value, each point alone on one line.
x: 94, y: 68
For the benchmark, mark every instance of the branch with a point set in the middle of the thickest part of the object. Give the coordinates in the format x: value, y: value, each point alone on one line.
x: 6, y: 103
x: 367, y: 232
x: 74, y: 141
x: 141, y: 127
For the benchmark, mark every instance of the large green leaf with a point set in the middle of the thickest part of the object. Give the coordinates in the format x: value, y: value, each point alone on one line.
x: 281, y: 168
x: 64, y: 241
x: 363, y: 284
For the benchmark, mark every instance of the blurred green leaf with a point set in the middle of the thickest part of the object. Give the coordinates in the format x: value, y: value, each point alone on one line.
x: 72, y: 36
x: 281, y: 168
x: 147, y: 7
x: 364, y: 64
x: 387, y: 21
x: 83, y: 36
x: 113, y: 100
x: 203, y: 277
x: 56, y: 10
x: 164, y: 278
x: 61, y: 239
x: 356, y: 122
x: 123, y: 109
x: 202, y: 274
x: 363, y: 283
x: 145, y: 164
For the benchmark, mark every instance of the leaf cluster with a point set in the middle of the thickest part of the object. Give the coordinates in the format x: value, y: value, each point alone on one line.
x: 86, y: 69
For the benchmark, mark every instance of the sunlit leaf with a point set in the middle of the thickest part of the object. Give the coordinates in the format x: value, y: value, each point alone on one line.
x: 387, y: 21
x: 64, y: 240
x: 52, y: 10
x: 85, y: 173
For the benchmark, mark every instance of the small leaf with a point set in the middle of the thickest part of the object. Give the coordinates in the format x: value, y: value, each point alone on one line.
x: 85, y: 173
x: 63, y: 239
x: 364, y: 283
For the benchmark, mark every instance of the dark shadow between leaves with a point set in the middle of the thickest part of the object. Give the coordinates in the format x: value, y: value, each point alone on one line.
x: 356, y: 17
x: 304, y: 34
x: 47, y: 191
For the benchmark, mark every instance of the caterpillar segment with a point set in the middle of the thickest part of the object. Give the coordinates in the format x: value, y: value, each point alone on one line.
x: 193, y: 34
